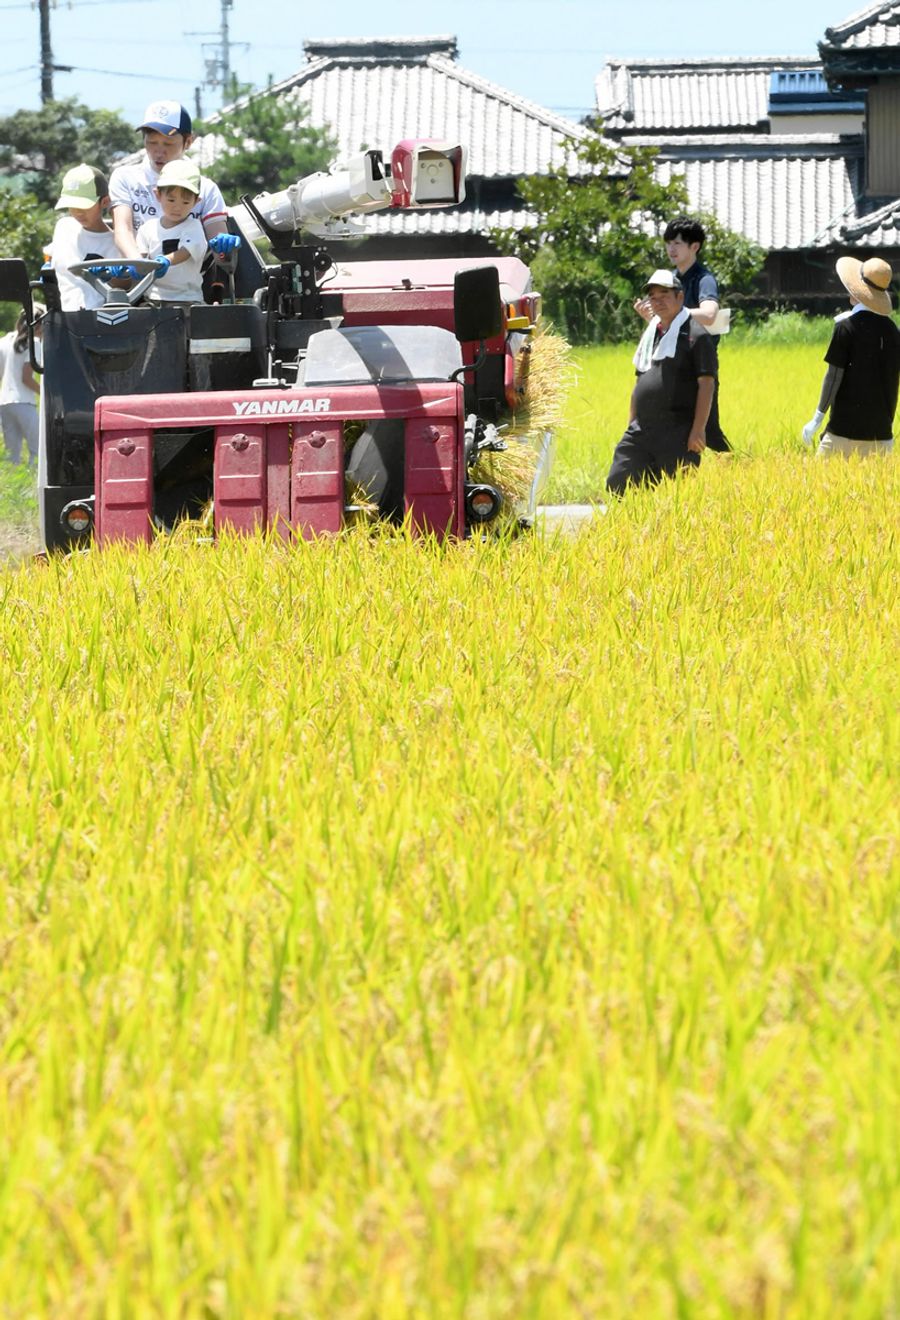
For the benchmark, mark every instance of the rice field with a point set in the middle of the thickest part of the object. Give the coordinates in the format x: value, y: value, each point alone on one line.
x: 490, y: 930
x: 767, y: 393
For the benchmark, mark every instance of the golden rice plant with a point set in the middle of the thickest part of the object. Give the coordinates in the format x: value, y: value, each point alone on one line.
x: 505, y: 928
x: 546, y: 374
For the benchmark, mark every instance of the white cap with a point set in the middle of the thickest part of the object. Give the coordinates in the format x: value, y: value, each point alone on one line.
x: 664, y: 279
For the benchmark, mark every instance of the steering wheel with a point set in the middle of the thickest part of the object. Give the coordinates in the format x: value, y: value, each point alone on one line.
x: 147, y: 272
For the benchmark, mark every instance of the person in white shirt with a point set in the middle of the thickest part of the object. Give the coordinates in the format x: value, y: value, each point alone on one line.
x: 82, y: 235
x: 5, y: 350
x: 132, y: 188
x: 176, y: 235
x: 19, y: 390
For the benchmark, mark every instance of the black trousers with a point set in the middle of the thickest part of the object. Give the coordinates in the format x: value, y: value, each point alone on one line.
x: 715, y: 436
x: 638, y: 460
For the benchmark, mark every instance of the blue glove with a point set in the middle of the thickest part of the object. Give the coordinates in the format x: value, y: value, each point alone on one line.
x: 224, y: 243
x: 117, y: 272
x: 163, y: 264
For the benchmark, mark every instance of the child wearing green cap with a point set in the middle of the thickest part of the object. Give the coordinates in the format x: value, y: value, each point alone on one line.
x: 176, y: 235
x: 82, y: 235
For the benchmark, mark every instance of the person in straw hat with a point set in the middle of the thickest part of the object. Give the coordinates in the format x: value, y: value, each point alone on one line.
x: 860, y: 388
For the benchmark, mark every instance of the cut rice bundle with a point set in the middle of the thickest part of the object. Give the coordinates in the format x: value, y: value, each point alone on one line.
x: 546, y: 374
x: 363, y: 510
x: 192, y: 527
x: 511, y: 471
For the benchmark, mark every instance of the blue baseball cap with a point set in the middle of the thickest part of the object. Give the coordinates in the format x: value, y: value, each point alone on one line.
x: 167, y: 117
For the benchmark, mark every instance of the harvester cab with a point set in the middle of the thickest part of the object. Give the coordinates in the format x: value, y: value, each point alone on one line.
x: 321, y: 391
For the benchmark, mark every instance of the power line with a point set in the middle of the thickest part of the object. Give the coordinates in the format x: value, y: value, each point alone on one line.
x: 118, y: 73
x: 25, y: 82
x: 164, y: 43
x: 83, y: 4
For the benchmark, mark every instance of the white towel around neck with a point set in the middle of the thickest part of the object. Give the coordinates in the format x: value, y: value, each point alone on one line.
x: 843, y: 316
x: 646, y: 354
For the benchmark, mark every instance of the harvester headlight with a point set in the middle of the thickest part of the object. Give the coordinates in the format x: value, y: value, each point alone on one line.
x: 482, y: 503
x: 77, y: 517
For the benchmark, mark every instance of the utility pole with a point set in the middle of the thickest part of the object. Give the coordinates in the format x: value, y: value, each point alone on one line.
x: 46, y: 54
x: 226, y: 51
x: 218, y: 62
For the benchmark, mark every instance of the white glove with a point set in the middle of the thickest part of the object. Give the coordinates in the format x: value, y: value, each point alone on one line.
x: 810, y: 429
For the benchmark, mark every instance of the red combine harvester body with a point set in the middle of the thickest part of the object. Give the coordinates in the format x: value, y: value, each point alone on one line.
x: 318, y: 384
x: 275, y: 465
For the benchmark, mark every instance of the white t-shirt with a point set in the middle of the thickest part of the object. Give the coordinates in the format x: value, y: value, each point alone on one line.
x: 134, y: 186
x: 73, y: 243
x: 6, y: 342
x: 12, y: 387
x: 181, y: 283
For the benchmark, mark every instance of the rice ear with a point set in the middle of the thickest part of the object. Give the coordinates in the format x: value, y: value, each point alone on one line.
x: 545, y: 375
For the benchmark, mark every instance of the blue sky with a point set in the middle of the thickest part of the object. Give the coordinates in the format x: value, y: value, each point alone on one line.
x: 548, y: 50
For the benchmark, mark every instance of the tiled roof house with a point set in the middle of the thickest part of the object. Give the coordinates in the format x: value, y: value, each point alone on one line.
x: 863, y: 53
x: 373, y: 93
x: 800, y: 154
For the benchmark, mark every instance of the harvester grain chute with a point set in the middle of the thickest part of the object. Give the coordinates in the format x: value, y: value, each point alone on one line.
x: 322, y: 389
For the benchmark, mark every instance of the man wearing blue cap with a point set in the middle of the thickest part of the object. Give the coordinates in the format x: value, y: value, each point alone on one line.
x: 133, y: 200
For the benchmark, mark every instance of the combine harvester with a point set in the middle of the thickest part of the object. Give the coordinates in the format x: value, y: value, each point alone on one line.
x: 327, y: 392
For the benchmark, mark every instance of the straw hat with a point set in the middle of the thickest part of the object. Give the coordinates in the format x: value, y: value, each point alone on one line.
x: 867, y: 281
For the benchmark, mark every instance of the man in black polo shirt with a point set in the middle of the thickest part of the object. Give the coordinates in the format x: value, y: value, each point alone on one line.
x: 676, y: 375
x: 860, y: 386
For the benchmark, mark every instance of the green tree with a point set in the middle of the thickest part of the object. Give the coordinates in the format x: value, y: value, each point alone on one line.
x: 597, y: 235
x: 26, y: 226
x: 42, y: 144
x: 735, y: 259
x: 263, y: 143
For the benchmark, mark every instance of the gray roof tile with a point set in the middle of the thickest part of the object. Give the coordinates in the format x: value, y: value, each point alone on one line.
x: 477, y: 221
x: 710, y: 121
x: 875, y: 27
x: 650, y: 96
x: 782, y: 197
x: 780, y: 193
x: 414, y: 88
x: 873, y: 227
x: 373, y: 93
